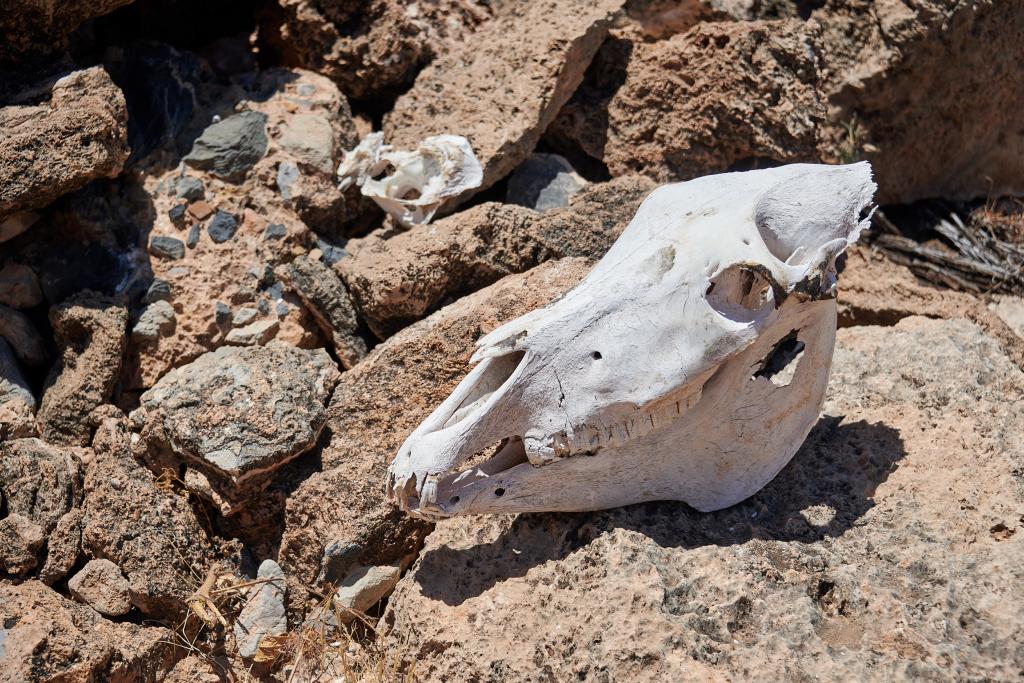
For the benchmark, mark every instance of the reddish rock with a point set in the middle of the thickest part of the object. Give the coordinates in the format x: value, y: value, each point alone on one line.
x: 101, y: 585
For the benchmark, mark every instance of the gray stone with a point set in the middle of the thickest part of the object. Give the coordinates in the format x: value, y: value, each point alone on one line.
x: 364, y: 588
x: 19, y: 286
x: 177, y: 215
x: 275, y: 231
x: 309, y: 138
x: 229, y: 148
x: 544, y: 181
x: 281, y: 308
x: 166, y: 247
x: 156, y: 319
x: 102, y: 586
x: 13, y: 386
x: 20, y: 541
x: 221, y: 313
x: 189, y: 188
x: 325, y: 296
x: 193, y: 236
x: 237, y: 412
x: 21, y: 334
x: 222, y: 227
x: 332, y: 253
x: 253, y: 334
x: 244, y: 316
x: 264, y: 612
x: 159, y: 290
x: 287, y: 174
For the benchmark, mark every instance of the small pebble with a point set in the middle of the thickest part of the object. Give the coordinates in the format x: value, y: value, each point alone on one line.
x: 275, y: 291
x: 193, y: 236
x: 264, y: 306
x: 244, y: 316
x: 159, y: 290
x: 222, y: 227
x: 177, y: 215
x: 331, y: 253
x: 200, y: 210
x: 167, y: 247
x: 190, y: 188
x: 282, y: 308
x: 221, y: 313
x: 275, y: 231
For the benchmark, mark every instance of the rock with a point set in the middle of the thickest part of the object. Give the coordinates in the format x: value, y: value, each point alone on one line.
x: 101, y: 585
x: 397, y: 280
x: 326, y: 297
x: 264, y: 613
x: 275, y: 231
x: 20, y: 333
x: 544, y: 181
x: 19, y: 286
x: 192, y: 240
x: 339, y: 518
x: 222, y: 227
x: 363, y: 588
x: 90, y: 331
x: 177, y: 216
x: 193, y: 669
x: 239, y: 413
x: 165, y: 247
x: 373, y: 48
x: 159, y: 290
x: 839, y: 569
x: 189, y: 188
x: 13, y: 386
x: 20, y: 541
x: 46, y: 637
x: 310, y: 139
x: 39, y: 481
x: 258, y: 333
x: 151, y: 533
x: 49, y: 149
x: 63, y: 547
x: 28, y: 29
x: 17, y: 223
x: 244, y: 316
x: 200, y: 210
x: 156, y: 319
x: 1011, y: 310
x: 518, y: 69
x: 231, y: 147
x: 287, y: 174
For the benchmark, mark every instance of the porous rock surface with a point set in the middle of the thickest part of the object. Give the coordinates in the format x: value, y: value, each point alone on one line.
x: 239, y: 412
x: 505, y: 84
x: 884, y: 549
x: 343, y: 508
x: 100, y: 585
x: 29, y: 28
x: 77, y: 134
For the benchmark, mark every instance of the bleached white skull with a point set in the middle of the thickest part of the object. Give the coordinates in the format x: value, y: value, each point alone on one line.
x: 419, y: 182
x: 690, y: 364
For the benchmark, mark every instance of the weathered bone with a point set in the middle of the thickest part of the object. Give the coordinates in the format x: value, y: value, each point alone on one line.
x: 690, y: 364
x: 441, y: 168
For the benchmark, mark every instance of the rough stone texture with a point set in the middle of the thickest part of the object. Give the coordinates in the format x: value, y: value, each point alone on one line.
x: 90, y: 331
x: 40, y: 481
x: 20, y: 541
x: 886, y: 549
x: 101, y: 585
x: 239, y: 412
x: 63, y: 548
x: 46, y: 637
x: 235, y: 272
x: 396, y: 279
x: 370, y: 48
x: 29, y: 28
x: 17, y: 404
x: 737, y: 94
x: 150, y: 532
x: 156, y: 319
x: 264, y: 613
x: 363, y: 588
x: 543, y: 181
x: 506, y: 83
x: 327, y: 299
x: 19, y: 286
x: 21, y: 335
x: 229, y: 148
x: 375, y: 406
x: 727, y: 93
x: 1011, y: 310
x: 48, y: 149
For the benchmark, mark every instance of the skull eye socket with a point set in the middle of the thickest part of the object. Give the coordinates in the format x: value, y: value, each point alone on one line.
x: 740, y: 293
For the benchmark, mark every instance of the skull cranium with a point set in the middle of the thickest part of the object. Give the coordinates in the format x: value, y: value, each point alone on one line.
x: 690, y: 363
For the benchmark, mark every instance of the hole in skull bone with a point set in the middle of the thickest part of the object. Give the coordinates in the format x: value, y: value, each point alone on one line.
x: 596, y: 355
x: 497, y: 373
x: 740, y: 293
x: 499, y: 492
x: 779, y: 366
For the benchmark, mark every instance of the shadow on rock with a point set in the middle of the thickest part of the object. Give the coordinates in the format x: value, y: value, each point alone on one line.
x: 827, y: 487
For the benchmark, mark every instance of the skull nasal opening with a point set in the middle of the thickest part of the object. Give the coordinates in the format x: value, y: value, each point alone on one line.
x: 740, y: 293
x: 498, y: 371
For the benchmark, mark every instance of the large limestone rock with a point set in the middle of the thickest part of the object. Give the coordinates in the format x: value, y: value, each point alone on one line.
x: 506, y: 83
x: 888, y: 548
x: 46, y: 637
x: 371, y: 48
x: 79, y: 133
x: 398, y: 278
x: 339, y: 519
x: 90, y: 330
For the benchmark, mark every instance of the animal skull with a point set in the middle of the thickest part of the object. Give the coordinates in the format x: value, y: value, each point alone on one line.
x: 441, y: 168
x: 690, y: 364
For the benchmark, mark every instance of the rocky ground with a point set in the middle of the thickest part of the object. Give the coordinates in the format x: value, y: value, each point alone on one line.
x: 210, y: 349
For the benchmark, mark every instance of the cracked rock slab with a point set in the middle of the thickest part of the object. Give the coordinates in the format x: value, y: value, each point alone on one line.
x: 239, y: 412
x: 264, y: 613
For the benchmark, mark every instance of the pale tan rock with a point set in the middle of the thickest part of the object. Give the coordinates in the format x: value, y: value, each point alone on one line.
x: 506, y: 83
x: 1011, y: 310
x: 49, y: 149
x: 884, y: 549
x: 20, y: 542
x: 101, y: 585
x: 363, y: 588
